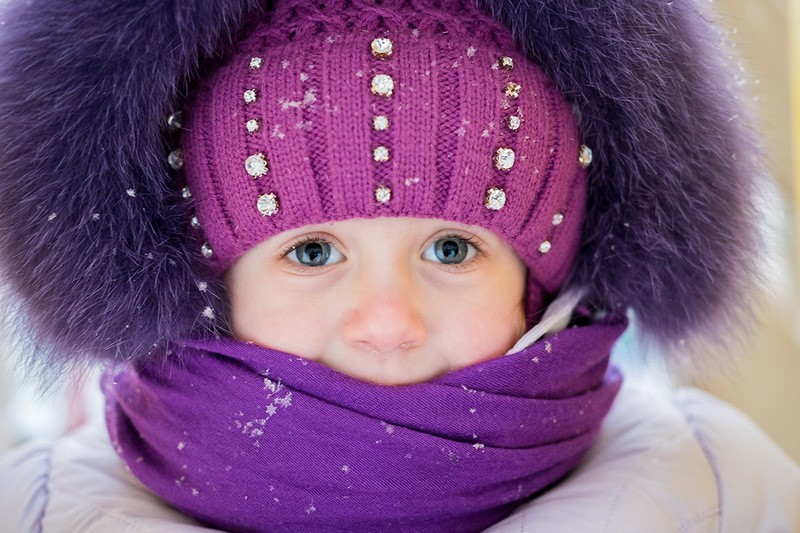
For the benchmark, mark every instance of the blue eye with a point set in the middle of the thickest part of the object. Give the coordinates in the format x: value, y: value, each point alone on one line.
x: 449, y: 251
x: 315, y: 254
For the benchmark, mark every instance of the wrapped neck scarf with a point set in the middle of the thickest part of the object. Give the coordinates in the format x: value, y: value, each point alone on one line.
x: 245, y: 438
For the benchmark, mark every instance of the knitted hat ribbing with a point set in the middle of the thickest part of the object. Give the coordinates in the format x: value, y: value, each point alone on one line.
x: 358, y: 110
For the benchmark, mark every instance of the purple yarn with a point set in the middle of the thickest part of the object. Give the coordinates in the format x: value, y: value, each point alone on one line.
x: 93, y: 240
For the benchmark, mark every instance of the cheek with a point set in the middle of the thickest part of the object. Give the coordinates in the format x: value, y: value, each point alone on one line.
x: 498, y: 328
x: 278, y: 319
x: 484, y: 325
x: 503, y: 322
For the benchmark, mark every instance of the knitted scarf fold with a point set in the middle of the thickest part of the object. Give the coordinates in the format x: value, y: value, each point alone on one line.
x: 246, y: 438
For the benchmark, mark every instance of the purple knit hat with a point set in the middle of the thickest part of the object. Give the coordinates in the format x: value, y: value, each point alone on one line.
x: 353, y: 110
x: 93, y: 227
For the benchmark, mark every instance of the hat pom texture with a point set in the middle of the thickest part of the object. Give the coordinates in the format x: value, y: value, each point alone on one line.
x: 93, y: 239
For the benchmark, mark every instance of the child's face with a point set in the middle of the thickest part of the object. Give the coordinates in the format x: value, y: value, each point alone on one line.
x: 387, y: 300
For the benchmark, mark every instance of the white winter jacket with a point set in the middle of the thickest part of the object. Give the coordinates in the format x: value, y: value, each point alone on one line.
x: 683, y: 463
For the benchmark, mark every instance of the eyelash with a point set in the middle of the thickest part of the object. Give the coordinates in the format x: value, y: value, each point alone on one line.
x: 292, y: 246
x: 470, y: 239
x: 306, y: 239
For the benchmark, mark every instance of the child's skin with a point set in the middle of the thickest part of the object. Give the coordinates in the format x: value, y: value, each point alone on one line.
x: 388, y: 300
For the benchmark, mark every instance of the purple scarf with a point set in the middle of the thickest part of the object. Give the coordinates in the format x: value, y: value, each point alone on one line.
x: 246, y: 438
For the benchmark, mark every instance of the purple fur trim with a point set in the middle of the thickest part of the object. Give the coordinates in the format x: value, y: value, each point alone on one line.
x: 671, y: 228
x: 92, y: 234
x: 93, y: 240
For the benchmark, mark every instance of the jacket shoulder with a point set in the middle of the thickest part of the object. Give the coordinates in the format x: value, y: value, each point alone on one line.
x: 758, y: 484
x: 77, y: 483
x: 671, y: 462
x: 24, y: 476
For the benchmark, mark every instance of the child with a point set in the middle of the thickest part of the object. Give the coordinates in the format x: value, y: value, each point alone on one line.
x: 316, y: 321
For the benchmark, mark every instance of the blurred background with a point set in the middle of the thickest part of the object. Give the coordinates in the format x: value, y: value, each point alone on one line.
x: 763, y: 380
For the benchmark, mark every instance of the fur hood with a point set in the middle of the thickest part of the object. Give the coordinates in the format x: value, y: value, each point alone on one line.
x: 93, y: 244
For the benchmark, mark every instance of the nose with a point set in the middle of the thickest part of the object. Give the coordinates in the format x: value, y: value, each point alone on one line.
x: 384, y: 321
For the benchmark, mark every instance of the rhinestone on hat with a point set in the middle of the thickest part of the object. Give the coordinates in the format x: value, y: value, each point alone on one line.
x: 175, y: 159
x: 268, y: 204
x: 256, y: 165
x: 256, y: 62
x: 380, y: 154
x: 174, y: 121
x: 507, y: 62
x: 495, y: 199
x: 250, y: 96
x: 514, y: 122
x: 558, y: 218
x: 252, y: 125
x: 545, y: 247
x: 585, y: 156
x: 381, y: 47
x: 382, y: 85
x: 513, y: 89
x: 186, y: 193
x: 195, y: 222
x: 206, y: 250
x: 383, y: 194
x: 504, y: 158
x: 380, y: 123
